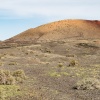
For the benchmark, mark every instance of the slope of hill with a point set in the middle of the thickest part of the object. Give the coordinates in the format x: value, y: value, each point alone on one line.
x: 63, y: 29
x: 62, y: 63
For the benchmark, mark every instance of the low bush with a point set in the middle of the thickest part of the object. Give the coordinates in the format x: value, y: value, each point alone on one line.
x: 60, y: 65
x: 10, y: 80
x: 2, y: 77
x: 7, y: 73
x: 19, y: 75
x: 72, y: 63
x: 88, y: 84
x: 6, y: 78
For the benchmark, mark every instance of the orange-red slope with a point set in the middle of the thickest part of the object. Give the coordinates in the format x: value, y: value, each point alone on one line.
x: 60, y: 30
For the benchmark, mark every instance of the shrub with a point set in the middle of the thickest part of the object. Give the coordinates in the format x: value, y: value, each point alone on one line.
x: 88, y: 84
x: 72, y: 63
x: 60, y: 65
x: 7, y: 73
x: 7, y: 81
x: 6, y: 78
x: 19, y: 80
x: 19, y: 75
x: 2, y: 77
x: 10, y: 80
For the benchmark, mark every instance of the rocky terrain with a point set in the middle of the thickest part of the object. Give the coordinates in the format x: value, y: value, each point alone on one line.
x: 55, y: 57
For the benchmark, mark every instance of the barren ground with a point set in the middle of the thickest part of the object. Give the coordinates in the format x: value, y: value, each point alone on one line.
x: 47, y: 67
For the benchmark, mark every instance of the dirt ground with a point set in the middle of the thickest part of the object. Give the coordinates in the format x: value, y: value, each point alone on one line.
x: 49, y: 71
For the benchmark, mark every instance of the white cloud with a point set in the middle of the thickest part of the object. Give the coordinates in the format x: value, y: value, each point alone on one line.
x: 29, y: 8
x: 43, y: 11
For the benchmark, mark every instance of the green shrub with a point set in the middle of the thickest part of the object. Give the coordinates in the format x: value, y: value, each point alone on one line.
x: 88, y: 84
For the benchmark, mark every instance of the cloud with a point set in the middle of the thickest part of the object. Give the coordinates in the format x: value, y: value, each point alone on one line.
x: 19, y: 15
x: 51, y: 8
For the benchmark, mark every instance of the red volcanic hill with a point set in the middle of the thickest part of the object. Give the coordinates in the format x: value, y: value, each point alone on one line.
x: 64, y: 29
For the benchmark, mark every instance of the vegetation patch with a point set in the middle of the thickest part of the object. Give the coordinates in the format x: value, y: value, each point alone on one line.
x: 73, y: 63
x: 19, y: 75
x: 78, y: 72
x: 88, y: 84
x: 55, y: 74
x: 11, y: 78
x: 8, y: 81
x: 7, y: 91
x: 60, y: 65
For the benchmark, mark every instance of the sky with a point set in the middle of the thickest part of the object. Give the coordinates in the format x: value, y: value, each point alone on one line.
x: 17, y: 16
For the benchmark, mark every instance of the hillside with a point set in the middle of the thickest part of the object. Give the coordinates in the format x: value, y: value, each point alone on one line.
x: 80, y: 29
x: 55, y: 61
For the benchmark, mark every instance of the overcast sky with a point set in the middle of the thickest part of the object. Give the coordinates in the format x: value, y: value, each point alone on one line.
x: 19, y: 15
